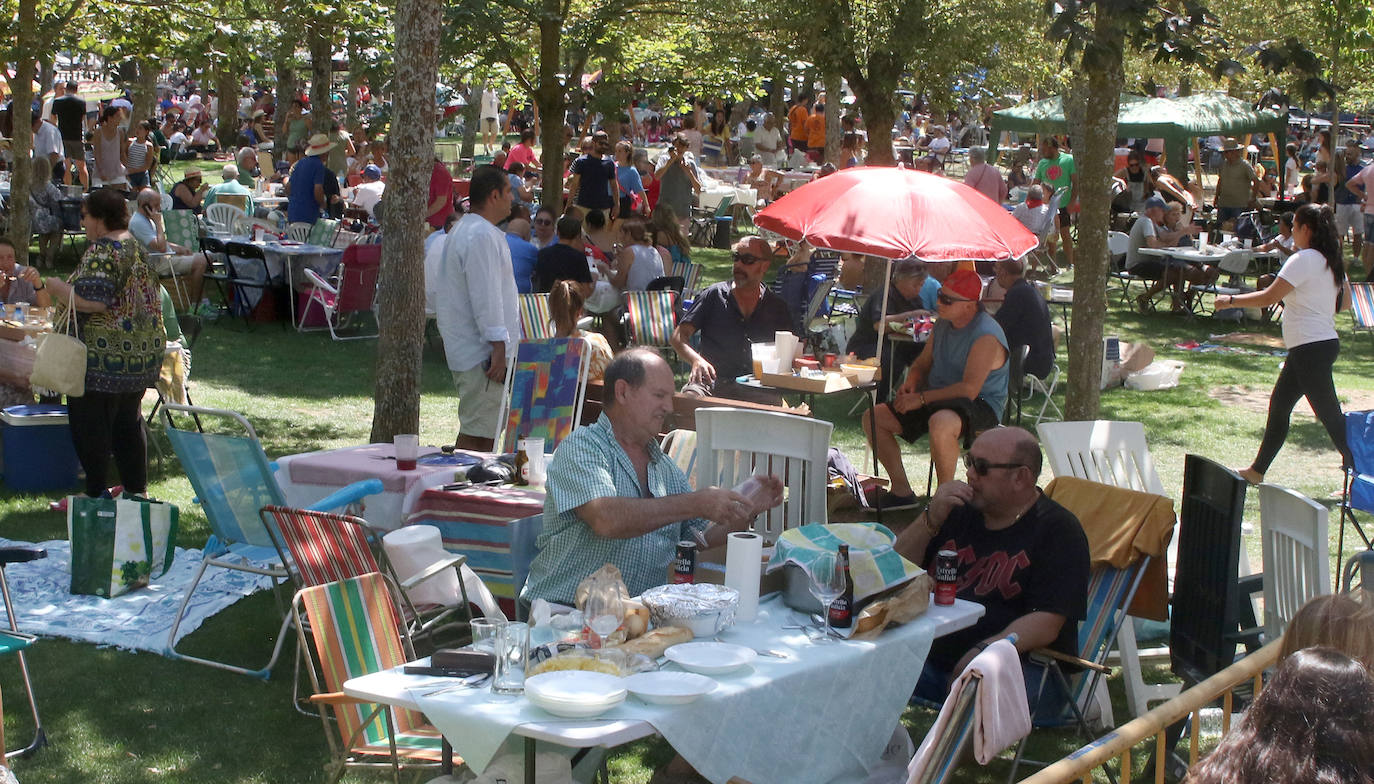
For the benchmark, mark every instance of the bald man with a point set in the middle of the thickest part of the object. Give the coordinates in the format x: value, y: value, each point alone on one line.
x: 1020, y: 555
x: 168, y: 259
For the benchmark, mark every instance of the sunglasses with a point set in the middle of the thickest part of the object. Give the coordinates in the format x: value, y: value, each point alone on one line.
x: 747, y: 258
x: 945, y: 299
x: 981, y: 466
x: 543, y: 222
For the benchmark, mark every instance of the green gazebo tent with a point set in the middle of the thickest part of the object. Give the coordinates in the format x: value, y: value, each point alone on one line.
x: 1178, y: 121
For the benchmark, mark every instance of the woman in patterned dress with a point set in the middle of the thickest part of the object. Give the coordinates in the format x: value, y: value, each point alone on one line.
x: 119, y: 318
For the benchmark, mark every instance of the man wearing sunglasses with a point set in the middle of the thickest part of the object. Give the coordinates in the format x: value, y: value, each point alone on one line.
x: 1020, y: 555
x: 956, y: 387
x: 729, y: 316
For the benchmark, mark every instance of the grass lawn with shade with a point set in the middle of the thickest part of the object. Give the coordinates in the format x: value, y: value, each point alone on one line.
x: 121, y: 717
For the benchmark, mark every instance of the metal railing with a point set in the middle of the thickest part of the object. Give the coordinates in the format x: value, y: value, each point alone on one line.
x: 1118, y: 744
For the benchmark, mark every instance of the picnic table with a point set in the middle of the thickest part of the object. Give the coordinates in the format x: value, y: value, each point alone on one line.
x: 284, y: 263
x: 839, y: 699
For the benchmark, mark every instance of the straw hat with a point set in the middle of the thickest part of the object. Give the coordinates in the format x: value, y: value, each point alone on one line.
x: 192, y: 173
x: 319, y: 145
x: 1231, y: 145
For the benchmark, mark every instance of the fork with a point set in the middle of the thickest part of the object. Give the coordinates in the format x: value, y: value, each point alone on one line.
x: 470, y: 682
x: 760, y: 651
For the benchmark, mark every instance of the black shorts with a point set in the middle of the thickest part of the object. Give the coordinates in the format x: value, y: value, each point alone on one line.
x: 1149, y: 269
x: 977, y: 416
x: 798, y: 144
x: 74, y: 149
x: 1063, y: 216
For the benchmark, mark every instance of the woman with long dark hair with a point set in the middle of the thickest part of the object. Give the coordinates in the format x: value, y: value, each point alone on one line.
x: 1313, y: 288
x: 565, y: 308
x: 1310, y: 724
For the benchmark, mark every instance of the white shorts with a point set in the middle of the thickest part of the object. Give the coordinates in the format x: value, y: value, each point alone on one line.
x: 1349, y: 217
x: 479, y: 402
x: 167, y: 264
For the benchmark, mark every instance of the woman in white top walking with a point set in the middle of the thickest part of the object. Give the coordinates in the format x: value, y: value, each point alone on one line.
x: 1313, y: 288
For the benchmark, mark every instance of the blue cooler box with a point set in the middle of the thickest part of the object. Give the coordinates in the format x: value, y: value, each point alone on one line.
x: 38, y: 449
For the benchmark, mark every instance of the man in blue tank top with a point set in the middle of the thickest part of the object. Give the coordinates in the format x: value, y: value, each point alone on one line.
x: 954, y: 390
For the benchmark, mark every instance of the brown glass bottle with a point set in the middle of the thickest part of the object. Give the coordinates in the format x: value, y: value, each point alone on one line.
x: 842, y: 609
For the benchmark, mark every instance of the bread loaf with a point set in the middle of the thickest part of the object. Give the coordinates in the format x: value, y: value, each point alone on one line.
x: 654, y: 643
x: 636, y: 619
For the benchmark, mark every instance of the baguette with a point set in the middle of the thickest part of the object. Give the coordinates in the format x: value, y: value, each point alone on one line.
x: 654, y: 643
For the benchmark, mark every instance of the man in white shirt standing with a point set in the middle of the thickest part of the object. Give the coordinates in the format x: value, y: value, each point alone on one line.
x: 491, y: 117
x: 477, y: 309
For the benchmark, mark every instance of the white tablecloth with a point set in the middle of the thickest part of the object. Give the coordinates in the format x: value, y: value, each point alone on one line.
x: 308, y: 477
x: 823, y: 714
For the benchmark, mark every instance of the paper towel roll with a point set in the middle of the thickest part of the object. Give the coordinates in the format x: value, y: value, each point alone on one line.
x: 743, y: 567
x: 786, y: 344
x: 413, y: 548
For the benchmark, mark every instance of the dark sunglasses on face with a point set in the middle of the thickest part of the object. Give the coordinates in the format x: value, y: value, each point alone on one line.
x: 543, y: 222
x: 747, y: 258
x: 946, y: 299
x: 981, y: 466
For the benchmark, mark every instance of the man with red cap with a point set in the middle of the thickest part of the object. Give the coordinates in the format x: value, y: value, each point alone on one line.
x: 954, y: 390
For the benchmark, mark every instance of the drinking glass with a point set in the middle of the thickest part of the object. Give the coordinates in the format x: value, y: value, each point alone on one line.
x: 604, y: 611
x: 484, y: 634
x: 407, y: 450
x: 827, y: 583
x: 512, y: 653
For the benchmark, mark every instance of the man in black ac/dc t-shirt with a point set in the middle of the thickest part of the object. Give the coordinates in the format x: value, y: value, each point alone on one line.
x: 1021, y: 555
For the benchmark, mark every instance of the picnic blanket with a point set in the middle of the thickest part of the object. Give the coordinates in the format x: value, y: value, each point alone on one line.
x: 1257, y: 339
x: 139, y: 620
x: 1216, y: 348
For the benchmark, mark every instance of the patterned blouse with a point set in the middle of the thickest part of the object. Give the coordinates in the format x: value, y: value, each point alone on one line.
x: 124, y: 345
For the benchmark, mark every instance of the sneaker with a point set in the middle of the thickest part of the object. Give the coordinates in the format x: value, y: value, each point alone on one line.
x: 891, y: 502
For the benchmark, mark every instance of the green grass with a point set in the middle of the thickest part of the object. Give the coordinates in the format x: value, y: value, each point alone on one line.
x: 122, y: 717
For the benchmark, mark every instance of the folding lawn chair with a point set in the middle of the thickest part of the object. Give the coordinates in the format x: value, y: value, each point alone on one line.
x: 536, y: 320
x: 1362, y: 306
x: 353, y: 291
x: 545, y: 388
x: 1359, y: 478
x: 15, y: 641
x: 233, y: 482
x: 650, y: 317
x: 356, y: 630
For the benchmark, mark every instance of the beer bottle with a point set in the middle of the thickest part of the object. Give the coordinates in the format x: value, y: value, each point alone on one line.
x: 842, y: 609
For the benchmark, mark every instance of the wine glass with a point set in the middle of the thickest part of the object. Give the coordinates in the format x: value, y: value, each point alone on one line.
x: 604, y: 613
x: 826, y: 584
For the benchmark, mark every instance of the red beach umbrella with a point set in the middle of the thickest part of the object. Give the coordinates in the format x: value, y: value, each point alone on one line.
x: 896, y: 213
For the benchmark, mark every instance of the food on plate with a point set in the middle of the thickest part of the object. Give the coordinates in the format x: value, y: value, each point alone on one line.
x: 636, y: 619
x: 575, y: 660
x: 654, y: 643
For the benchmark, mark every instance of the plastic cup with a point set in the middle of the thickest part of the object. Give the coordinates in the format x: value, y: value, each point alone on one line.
x: 512, y: 651
x: 484, y: 634
x: 407, y: 450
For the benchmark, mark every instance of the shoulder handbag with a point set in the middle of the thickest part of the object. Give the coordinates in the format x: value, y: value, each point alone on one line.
x: 60, y: 364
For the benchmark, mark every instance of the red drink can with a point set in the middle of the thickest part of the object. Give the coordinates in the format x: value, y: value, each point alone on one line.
x: 685, y: 563
x: 946, y: 576
x: 830, y: 360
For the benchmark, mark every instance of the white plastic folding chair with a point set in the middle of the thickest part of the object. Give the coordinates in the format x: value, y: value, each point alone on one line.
x: 734, y: 444
x: 222, y: 217
x: 298, y: 232
x: 1297, y: 567
x: 1113, y: 453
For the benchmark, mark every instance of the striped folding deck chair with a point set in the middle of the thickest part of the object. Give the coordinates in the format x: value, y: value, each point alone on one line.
x: 1110, y: 591
x: 536, y: 320
x: 951, y: 745
x: 545, y: 388
x: 690, y: 272
x: 1362, y: 306
x: 347, y: 629
x: 681, y: 447
x: 320, y: 547
x: 650, y: 317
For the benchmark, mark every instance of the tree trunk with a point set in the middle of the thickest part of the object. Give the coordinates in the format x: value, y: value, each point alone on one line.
x: 1093, y: 158
x: 551, y: 99
x: 472, y: 112
x: 47, y: 74
x: 776, y: 105
x: 145, y: 92
x: 401, y: 296
x: 227, y: 85
x: 351, y: 101
x: 874, y: 97
x: 322, y: 72
x: 286, y: 81
x: 22, y: 143
x: 834, y: 107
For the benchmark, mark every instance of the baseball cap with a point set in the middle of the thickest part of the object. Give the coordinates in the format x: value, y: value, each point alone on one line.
x: 964, y: 283
x: 372, y: 171
x: 1155, y: 201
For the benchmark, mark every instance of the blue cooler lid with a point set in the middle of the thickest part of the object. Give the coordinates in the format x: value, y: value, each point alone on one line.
x: 42, y: 414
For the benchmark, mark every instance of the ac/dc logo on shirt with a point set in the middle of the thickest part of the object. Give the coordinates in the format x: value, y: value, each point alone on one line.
x: 994, y: 572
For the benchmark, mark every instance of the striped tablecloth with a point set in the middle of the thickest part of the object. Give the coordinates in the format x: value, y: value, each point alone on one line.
x: 495, y: 527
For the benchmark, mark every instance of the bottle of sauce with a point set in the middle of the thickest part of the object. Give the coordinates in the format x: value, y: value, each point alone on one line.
x: 842, y: 609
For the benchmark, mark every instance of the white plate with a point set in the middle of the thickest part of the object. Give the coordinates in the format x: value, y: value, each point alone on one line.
x: 669, y: 688
x: 711, y: 658
x: 575, y: 694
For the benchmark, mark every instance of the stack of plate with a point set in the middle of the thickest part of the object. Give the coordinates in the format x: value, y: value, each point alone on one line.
x: 575, y: 694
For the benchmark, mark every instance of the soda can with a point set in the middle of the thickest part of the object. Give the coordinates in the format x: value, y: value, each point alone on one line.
x: 685, y: 563
x: 830, y: 361
x: 946, y: 576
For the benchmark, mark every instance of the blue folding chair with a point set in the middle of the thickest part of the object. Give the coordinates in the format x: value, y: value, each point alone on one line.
x: 15, y: 641
x: 1359, y: 478
x: 233, y: 481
